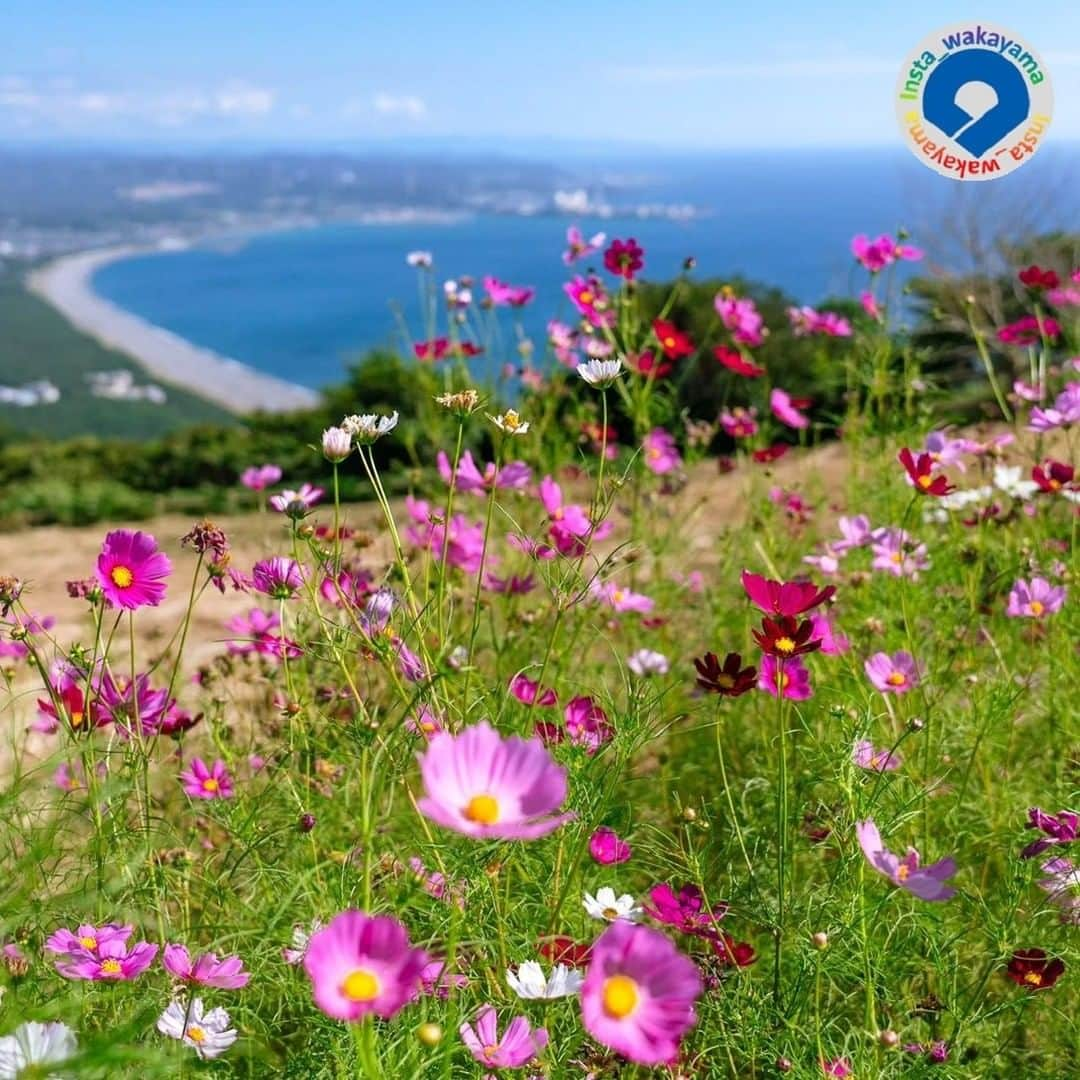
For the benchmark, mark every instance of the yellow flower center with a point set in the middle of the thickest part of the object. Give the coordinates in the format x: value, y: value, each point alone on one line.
x: 897, y: 557
x: 925, y: 481
x: 618, y: 596
x: 620, y: 996
x: 1054, y: 484
x: 88, y: 943
x: 585, y: 296
x: 896, y: 679
x: 196, y: 1034
x: 902, y: 872
x: 1036, y: 607
x: 483, y: 809
x: 427, y: 726
x: 1034, y: 978
x: 121, y: 576
x: 76, y: 718
x: 669, y: 342
x: 111, y: 967
x: 725, y: 680
x: 210, y: 784
x: 785, y: 645
x: 360, y: 985
x: 491, y: 1051
x: 782, y: 679
x: 511, y: 420
x: 610, y: 914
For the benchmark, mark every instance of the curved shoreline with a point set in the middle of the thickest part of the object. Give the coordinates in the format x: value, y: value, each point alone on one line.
x: 66, y: 284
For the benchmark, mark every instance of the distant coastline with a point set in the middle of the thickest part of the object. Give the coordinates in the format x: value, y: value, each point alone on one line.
x: 66, y: 283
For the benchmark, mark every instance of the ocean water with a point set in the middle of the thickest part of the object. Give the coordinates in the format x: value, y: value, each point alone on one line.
x: 302, y: 304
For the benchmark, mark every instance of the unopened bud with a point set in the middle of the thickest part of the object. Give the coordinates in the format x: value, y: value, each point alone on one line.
x: 820, y: 940
x: 888, y: 1038
x: 689, y: 814
x: 307, y: 822
x: 429, y: 1034
x: 916, y: 723
x: 784, y: 1065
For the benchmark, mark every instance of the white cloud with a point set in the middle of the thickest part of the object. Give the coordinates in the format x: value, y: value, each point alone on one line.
x: 399, y: 105
x: 775, y: 69
x: 239, y: 99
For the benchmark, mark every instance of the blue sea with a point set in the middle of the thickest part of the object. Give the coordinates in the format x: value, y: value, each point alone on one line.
x: 303, y: 304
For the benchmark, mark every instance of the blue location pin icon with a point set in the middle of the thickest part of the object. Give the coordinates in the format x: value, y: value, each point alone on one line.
x: 977, y: 97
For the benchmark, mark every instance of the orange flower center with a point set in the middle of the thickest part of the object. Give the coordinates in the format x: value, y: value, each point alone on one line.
x: 88, y: 943
x: 896, y: 679
x: 669, y: 342
x: 210, y: 784
x: 360, y: 985
x: 585, y: 297
x: 483, y: 809
x: 620, y: 996
x: 122, y: 577
x: 1034, y: 978
x: 925, y: 481
x: 1036, y: 607
x: 196, y: 1034
x: 902, y: 872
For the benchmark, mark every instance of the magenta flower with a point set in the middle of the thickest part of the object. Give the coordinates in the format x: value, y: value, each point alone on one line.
x: 660, y: 452
x: 607, y: 849
x: 925, y: 882
x: 86, y: 941
x: 896, y: 674
x: 570, y: 523
x: 783, y: 408
x: 112, y: 960
x: 793, y: 679
x: 527, y: 691
x: 462, y: 543
x: 639, y: 993
x: 784, y: 597
x: 833, y: 642
x: 255, y: 633
x: 131, y: 570
x: 1034, y: 599
x: 685, y: 910
x: 278, y: 577
x: 875, y: 255
x: 129, y: 705
x: 624, y: 258
x: 1029, y: 331
x: 838, y: 1067
x: 207, y: 970
x: 1060, y: 828
x: 201, y: 782
x: 482, y: 785
x: 742, y: 319
x: 870, y: 305
x: 739, y: 423
x: 518, y: 1046
x: 260, y: 477
x: 577, y: 247
x: 806, y: 321
x: 296, y: 503
x: 502, y: 295
x: 591, y: 300
x: 587, y: 724
x: 360, y: 964
x: 470, y: 478
x: 866, y: 757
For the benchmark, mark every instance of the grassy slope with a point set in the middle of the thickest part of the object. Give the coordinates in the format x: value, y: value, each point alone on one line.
x: 37, y: 342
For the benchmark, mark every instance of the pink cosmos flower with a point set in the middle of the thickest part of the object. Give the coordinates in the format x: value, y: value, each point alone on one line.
x: 739, y: 423
x: 660, y: 452
x: 587, y: 724
x: 424, y: 723
x: 482, y: 785
x: 621, y: 599
x: 1027, y: 391
x: 806, y: 321
x: 794, y: 679
x: 201, y: 782
x: 1029, y: 331
x: 255, y: 633
x: 518, y: 1046
x: 866, y: 757
x: 526, y: 691
x: 925, y: 882
x: 86, y: 941
x: 854, y: 533
x: 896, y: 674
x: 279, y: 577
x: 577, y: 247
x: 875, y: 255
x: 570, y: 524
x: 946, y: 451
x: 591, y: 300
x: 260, y: 477
x: 607, y: 849
x: 128, y: 704
x: 207, y: 970
x: 639, y: 993
x: 113, y: 959
x: 685, y: 910
x: 833, y: 643
x: 1060, y: 828
x: 132, y: 571
x: 361, y: 964
x: 784, y: 409
x: 515, y: 475
x: 435, y: 884
x: 742, y: 318
x: 436, y: 981
x: 503, y: 295
x: 839, y: 1067
x: 1034, y: 599
x: 563, y: 340
x: 898, y: 554
x: 784, y: 597
x: 27, y: 624
x: 296, y: 503
x: 462, y: 543
x: 870, y: 305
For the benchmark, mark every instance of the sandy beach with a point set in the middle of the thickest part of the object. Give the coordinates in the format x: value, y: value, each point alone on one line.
x: 66, y: 284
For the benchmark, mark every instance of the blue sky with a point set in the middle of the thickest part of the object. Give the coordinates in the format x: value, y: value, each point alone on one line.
x: 698, y: 74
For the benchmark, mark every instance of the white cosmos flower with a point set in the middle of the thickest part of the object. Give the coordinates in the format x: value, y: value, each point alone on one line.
x: 529, y: 981
x: 1007, y: 478
x: 420, y: 258
x: 647, y: 662
x: 600, y: 373
x: 510, y: 422
x: 35, y: 1044
x: 605, y: 905
x: 208, y: 1032
x: 368, y: 427
x: 300, y: 939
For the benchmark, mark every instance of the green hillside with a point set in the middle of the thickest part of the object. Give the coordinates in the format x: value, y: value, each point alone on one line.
x: 37, y: 343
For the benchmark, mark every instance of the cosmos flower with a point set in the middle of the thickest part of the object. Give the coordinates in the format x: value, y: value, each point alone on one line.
x: 921, y: 474
x: 527, y: 691
x: 739, y: 423
x: 784, y: 408
x: 685, y: 910
x: 301, y: 935
x: 336, y: 444
x: 131, y: 570
x: 1029, y: 331
x: 587, y: 724
x: 207, y: 1033
x: 639, y: 993
x: 600, y: 373
x: 896, y: 674
x: 838, y: 1067
x: 129, y: 705
x: 515, y: 475
x: 1060, y: 828
x: 784, y: 597
x: 607, y: 906
x: 925, y: 882
x: 806, y: 321
x: 484, y: 786
x: 660, y: 453
x: 31, y: 1047
x: 207, y: 782
x: 577, y: 247
x: 1054, y: 477
x: 730, y: 678
x: 875, y: 255
x: 360, y: 964
x: 646, y: 662
x: 296, y: 503
x: 528, y: 981
x: 279, y: 577
x: 673, y: 341
x: 590, y: 298
x: 207, y: 970
x: 113, y: 960
x: 1034, y: 599
x: 420, y: 259
x: 1036, y: 278
x: 502, y: 295
x: 785, y: 637
x: 742, y: 318
x: 867, y: 757
x: 607, y: 849
x: 788, y: 676
x: 620, y: 598
x: 519, y: 1044
x: 260, y: 477
x: 733, y: 360
x: 1062, y: 885
x: 86, y: 940
x: 510, y: 423
x: 896, y: 553
x: 832, y: 641
x: 624, y: 258
x: 1033, y: 970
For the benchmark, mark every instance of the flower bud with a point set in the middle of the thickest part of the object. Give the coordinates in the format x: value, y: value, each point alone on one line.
x: 820, y: 940
x: 916, y: 723
x: 307, y: 822
x: 429, y: 1034
x: 888, y: 1038
x: 784, y: 1065
x: 336, y: 444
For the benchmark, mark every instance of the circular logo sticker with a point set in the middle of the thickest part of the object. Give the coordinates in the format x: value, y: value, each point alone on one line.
x: 974, y: 101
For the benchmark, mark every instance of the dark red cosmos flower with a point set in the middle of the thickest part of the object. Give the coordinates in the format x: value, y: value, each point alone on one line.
x: 735, y: 361
x: 921, y: 471
x: 624, y: 258
x: 786, y: 637
x: 645, y: 363
x: 784, y: 597
x: 770, y: 453
x: 685, y: 909
x: 435, y: 349
x: 565, y: 950
x: 465, y: 348
x: 1060, y: 828
x: 1031, y: 969
x: 733, y: 953
x: 1053, y: 476
x: 730, y: 679
x: 673, y: 341
x: 1026, y: 331
x: 1035, y: 277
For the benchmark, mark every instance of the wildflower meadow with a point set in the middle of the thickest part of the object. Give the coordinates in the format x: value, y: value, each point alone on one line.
x: 598, y: 753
